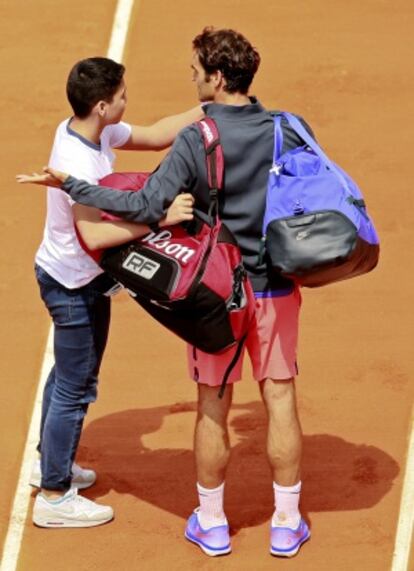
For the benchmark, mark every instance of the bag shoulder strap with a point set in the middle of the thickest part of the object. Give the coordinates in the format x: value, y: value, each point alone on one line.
x: 310, y: 141
x: 278, y: 135
x: 304, y: 135
x: 214, y: 153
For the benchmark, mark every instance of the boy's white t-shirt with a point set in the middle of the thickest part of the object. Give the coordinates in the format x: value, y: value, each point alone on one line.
x: 60, y: 253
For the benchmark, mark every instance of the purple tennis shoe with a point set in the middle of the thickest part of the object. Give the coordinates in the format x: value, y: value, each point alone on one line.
x: 213, y: 541
x: 286, y: 542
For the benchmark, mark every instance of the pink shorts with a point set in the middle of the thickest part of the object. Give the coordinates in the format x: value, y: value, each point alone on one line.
x: 271, y: 343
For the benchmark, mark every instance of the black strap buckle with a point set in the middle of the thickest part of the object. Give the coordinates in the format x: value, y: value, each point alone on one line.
x: 212, y: 147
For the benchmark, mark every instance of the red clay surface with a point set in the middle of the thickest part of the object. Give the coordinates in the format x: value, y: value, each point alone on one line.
x: 346, y: 70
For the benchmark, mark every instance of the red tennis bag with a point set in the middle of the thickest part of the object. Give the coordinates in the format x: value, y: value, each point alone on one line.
x: 190, y: 277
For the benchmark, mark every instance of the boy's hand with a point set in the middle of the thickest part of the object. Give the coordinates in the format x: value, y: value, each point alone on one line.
x: 51, y: 177
x: 179, y: 211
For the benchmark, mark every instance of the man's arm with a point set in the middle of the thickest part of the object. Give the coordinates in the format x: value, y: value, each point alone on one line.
x: 161, y: 134
x: 176, y: 173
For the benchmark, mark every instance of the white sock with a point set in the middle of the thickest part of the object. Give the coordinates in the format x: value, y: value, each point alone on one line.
x: 55, y: 500
x: 211, y: 513
x: 286, y: 505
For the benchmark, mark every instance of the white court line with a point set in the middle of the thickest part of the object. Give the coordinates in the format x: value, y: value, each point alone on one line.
x: 120, y: 29
x: 12, y: 544
x: 22, y: 496
x: 404, y: 536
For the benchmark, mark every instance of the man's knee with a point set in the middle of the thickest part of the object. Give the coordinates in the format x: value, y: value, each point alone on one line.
x: 277, y: 388
x: 209, y: 403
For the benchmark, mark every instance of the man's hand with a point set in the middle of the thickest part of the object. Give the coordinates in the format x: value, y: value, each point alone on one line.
x: 51, y: 177
x: 179, y: 211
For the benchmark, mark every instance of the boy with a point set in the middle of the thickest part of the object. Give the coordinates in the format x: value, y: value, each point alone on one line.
x: 74, y: 289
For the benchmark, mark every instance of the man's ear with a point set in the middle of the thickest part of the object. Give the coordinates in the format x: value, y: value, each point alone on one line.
x: 218, y: 79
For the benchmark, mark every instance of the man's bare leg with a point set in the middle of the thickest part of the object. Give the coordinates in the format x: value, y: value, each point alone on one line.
x: 212, y: 452
x: 211, y: 438
x: 284, y: 447
x: 284, y: 437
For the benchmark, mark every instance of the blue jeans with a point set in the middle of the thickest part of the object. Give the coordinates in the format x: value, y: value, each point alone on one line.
x: 81, y: 323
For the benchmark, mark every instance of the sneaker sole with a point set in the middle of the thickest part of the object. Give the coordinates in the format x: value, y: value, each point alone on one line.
x: 64, y: 523
x: 206, y: 550
x: 77, y: 485
x: 289, y: 553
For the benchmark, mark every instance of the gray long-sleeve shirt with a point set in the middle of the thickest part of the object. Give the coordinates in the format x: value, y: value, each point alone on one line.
x: 247, y: 138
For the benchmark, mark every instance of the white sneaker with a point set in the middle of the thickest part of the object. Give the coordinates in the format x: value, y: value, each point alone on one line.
x: 70, y: 510
x: 81, y: 477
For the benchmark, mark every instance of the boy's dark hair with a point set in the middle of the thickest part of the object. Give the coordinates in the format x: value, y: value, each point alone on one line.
x: 92, y: 80
x: 229, y: 52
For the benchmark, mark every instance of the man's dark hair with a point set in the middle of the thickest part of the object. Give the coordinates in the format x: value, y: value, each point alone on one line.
x: 229, y: 52
x: 92, y: 80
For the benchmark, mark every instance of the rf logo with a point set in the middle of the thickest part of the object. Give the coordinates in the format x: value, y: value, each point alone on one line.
x: 141, y: 266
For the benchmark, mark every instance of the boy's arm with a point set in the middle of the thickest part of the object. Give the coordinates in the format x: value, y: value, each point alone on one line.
x: 98, y: 234
x: 161, y: 134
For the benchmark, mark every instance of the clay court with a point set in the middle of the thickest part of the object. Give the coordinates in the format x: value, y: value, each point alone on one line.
x: 345, y: 67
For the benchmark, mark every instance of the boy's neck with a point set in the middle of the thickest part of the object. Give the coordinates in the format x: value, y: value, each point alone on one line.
x: 90, y: 128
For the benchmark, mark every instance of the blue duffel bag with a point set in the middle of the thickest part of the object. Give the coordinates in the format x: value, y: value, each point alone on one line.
x: 316, y: 228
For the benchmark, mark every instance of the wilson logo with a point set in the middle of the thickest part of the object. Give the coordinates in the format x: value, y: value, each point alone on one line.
x: 207, y: 131
x: 162, y: 241
x: 141, y: 266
